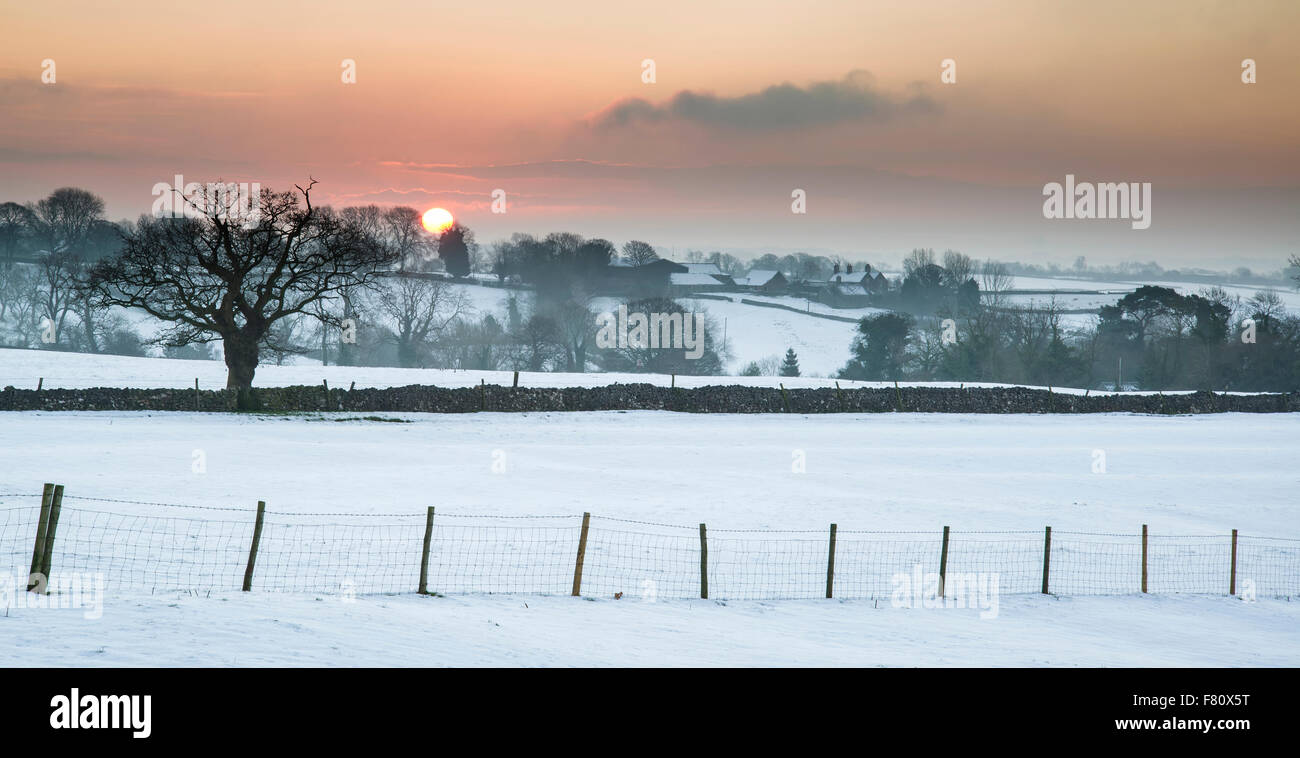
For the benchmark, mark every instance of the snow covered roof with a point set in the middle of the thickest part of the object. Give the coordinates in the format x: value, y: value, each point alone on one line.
x: 854, y: 278
x: 758, y: 277
x: 692, y: 280
x: 703, y: 268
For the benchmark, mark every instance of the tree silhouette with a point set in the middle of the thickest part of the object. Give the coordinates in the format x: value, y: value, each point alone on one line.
x: 230, y: 274
x: 453, y: 249
x: 790, y: 367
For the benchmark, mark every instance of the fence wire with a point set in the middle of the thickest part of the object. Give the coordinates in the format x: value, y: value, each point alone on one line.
x: 370, y: 554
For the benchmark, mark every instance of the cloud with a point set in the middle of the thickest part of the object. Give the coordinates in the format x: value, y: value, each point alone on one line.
x: 780, y: 106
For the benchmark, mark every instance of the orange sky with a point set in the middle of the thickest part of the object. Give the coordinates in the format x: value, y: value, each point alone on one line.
x: 452, y: 102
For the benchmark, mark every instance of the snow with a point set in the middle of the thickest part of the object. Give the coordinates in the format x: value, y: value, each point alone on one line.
x: 693, y: 279
x: 1117, y: 288
x: 26, y: 369
x: 1181, y: 475
x: 754, y: 332
x: 252, y: 629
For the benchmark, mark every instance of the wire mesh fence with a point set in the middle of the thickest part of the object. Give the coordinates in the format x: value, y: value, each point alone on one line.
x: 175, y: 547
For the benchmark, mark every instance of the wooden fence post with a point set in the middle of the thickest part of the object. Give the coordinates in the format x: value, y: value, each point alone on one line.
x: 1047, y: 557
x: 785, y: 401
x: 56, y: 505
x: 197, y: 405
x: 424, y: 559
x: 830, y: 565
x: 1144, y: 558
x: 38, y: 549
x: 943, y: 562
x: 252, y: 552
x: 704, y: 563
x: 482, y: 394
x: 582, y: 552
x: 1232, y: 580
x: 516, y: 384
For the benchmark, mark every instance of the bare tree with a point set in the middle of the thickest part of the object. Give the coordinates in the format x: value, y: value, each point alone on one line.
x: 995, y: 281
x: 1266, y: 303
x: 16, y: 225
x: 575, y: 324
x: 55, y: 293
x: 419, y: 309
x: 958, y: 268
x: 231, y: 274
x: 67, y: 224
x: 918, y: 259
x: 540, y: 343
x: 639, y: 253
x: 403, y: 230
x: 20, y: 291
x: 65, y: 219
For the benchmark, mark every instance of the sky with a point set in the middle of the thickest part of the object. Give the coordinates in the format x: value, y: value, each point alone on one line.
x: 750, y: 101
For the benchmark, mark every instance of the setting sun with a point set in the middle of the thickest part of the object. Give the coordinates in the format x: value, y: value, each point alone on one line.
x: 437, y: 220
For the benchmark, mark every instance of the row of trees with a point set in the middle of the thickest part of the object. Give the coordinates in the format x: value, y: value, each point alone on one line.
x: 1153, y: 338
x: 287, y: 276
x: 1150, y: 270
x: 427, y: 323
x: 292, y: 276
x: 46, y: 251
x: 249, y: 278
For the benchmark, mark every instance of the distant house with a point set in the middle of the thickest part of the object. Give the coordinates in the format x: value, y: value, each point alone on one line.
x: 869, y: 280
x: 710, y: 269
x: 848, y: 295
x: 683, y: 284
x: 853, y: 277
x: 653, y: 277
x: 764, y: 280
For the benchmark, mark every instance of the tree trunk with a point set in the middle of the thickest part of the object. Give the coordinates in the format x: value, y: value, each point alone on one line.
x: 407, y: 357
x: 88, y: 324
x: 346, y: 350
x: 241, y: 363
x: 580, y: 356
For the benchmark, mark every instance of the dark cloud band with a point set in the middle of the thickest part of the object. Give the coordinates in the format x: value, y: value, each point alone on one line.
x: 780, y: 106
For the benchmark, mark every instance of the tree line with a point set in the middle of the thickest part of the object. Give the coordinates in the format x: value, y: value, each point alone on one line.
x: 290, y: 276
x: 356, y: 286
x: 1153, y: 338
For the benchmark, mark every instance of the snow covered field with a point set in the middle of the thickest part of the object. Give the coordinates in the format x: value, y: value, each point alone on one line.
x: 1198, y: 475
x: 1289, y: 295
x: 1182, y: 475
x: 252, y: 629
x: 26, y: 369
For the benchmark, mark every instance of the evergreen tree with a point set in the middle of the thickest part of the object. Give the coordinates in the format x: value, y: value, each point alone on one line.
x: 880, y: 349
x: 790, y: 367
x: 453, y: 249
